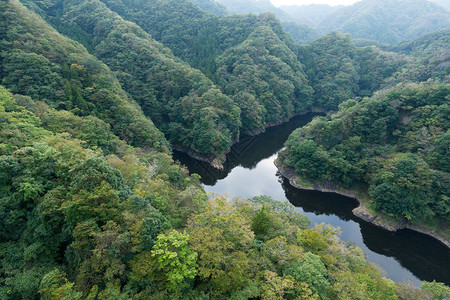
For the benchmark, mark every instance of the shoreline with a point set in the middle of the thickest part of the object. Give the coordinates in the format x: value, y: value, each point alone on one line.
x: 217, y: 162
x: 361, y: 211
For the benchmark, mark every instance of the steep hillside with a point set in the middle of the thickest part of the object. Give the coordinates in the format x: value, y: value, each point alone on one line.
x: 92, y: 205
x: 338, y: 70
x: 395, y: 143
x: 132, y: 225
x: 429, y: 44
x: 431, y: 58
x: 184, y: 104
x: 249, y: 56
x: 39, y: 62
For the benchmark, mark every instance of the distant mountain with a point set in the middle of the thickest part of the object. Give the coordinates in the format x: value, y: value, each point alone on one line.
x: 311, y: 15
x: 444, y: 3
x: 249, y: 57
x: 253, y: 6
x: 211, y: 6
x: 301, y: 34
x: 387, y: 21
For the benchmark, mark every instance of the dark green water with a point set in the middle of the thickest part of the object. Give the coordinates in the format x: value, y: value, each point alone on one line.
x: 249, y: 171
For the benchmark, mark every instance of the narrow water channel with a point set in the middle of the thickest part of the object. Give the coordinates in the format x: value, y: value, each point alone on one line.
x: 249, y: 171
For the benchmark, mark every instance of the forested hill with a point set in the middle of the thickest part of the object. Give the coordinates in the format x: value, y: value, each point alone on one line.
x: 435, y: 43
x: 387, y: 21
x: 39, y: 62
x: 396, y: 143
x: 92, y: 205
x: 338, y: 70
x: 204, y: 80
x: 224, y: 48
x: 260, y: 92
x: 184, y: 103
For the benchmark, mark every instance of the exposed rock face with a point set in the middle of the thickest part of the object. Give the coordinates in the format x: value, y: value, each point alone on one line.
x: 361, y: 211
x: 214, y: 161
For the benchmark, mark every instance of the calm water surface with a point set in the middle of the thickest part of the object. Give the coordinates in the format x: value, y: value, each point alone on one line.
x: 249, y: 171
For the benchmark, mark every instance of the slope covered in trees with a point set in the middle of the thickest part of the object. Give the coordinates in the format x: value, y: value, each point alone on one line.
x: 92, y: 205
x: 39, y: 62
x: 249, y: 57
x: 184, y: 104
x: 396, y: 143
x: 256, y: 68
x: 432, y: 43
x: 77, y: 224
x: 338, y: 70
x: 80, y: 224
x: 239, y: 46
x: 311, y: 15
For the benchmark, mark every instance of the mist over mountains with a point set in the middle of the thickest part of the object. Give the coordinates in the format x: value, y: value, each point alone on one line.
x: 384, y: 21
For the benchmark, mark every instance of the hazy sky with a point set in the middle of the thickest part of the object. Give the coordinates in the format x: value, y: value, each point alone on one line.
x: 305, y: 2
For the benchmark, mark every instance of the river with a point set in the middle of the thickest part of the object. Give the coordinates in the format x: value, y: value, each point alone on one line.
x: 249, y: 171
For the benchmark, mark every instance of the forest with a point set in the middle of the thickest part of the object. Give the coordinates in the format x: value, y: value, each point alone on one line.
x: 94, y: 97
x: 395, y: 142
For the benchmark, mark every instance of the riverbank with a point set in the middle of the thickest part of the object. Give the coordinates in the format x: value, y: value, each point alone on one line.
x: 363, y: 211
x: 255, y: 132
x: 218, y: 161
x: 215, y: 161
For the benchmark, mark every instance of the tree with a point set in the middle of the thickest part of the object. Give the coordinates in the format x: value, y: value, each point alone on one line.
x: 221, y: 236
x: 54, y: 286
x: 174, y: 259
x: 437, y: 290
x: 311, y: 271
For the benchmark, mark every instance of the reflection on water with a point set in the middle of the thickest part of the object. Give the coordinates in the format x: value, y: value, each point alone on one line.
x: 249, y: 171
x: 248, y: 152
x: 403, y: 254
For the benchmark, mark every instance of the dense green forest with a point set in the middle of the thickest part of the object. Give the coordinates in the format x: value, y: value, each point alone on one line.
x: 38, y: 62
x: 78, y: 223
x: 338, y: 70
x: 183, y: 103
x: 249, y: 73
x: 94, y: 95
x: 250, y: 57
x: 395, y: 142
